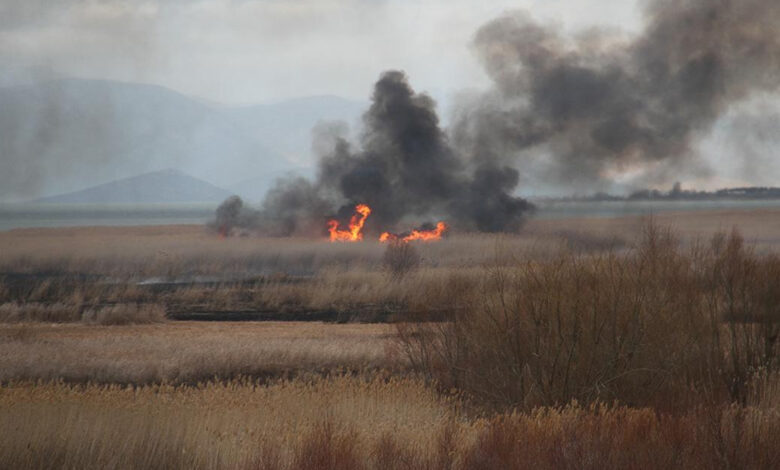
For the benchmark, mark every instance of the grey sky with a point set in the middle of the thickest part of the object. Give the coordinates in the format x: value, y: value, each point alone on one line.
x: 253, y: 51
x: 246, y: 51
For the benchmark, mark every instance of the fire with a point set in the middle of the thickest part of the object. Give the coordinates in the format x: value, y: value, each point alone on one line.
x: 355, y: 226
x: 355, y: 232
x: 424, y: 235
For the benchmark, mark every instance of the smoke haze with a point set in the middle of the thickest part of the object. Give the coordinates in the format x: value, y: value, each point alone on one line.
x: 549, y: 108
x: 582, y: 111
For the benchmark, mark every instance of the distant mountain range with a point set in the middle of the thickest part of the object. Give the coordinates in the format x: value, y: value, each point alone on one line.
x: 64, y: 135
x: 166, y: 186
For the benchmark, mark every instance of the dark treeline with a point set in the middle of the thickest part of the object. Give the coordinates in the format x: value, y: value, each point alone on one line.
x: 679, y: 194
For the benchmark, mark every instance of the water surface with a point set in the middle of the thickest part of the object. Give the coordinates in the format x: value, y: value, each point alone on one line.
x: 30, y: 215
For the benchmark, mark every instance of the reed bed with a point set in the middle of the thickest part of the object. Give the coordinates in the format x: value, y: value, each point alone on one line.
x: 116, y: 314
x: 189, y: 251
x: 188, y: 352
x: 360, y: 423
x: 564, y: 347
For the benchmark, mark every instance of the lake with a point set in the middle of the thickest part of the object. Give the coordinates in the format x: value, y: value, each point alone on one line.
x: 30, y: 215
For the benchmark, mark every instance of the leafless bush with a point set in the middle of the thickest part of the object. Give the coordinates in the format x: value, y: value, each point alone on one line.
x: 642, y: 327
x: 743, y: 300
x: 400, y: 258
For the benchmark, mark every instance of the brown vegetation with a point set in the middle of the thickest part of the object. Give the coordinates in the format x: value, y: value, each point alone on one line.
x: 655, y: 325
x: 189, y: 352
x: 117, y: 314
x: 185, y: 269
x: 361, y: 423
x: 564, y: 347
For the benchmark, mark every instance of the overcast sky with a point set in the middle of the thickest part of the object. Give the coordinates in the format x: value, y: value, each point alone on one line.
x: 255, y: 51
x: 248, y: 51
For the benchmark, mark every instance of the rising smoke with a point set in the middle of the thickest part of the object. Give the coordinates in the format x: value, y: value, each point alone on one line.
x: 403, y: 167
x: 590, y: 108
x: 579, y: 111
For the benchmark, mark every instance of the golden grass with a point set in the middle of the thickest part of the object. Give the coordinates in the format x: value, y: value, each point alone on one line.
x: 189, y: 249
x: 171, y: 251
x: 760, y: 227
x: 189, y: 351
x: 359, y: 423
x: 88, y: 268
x: 117, y: 314
x: 342, y: 396
x: 209, y: 426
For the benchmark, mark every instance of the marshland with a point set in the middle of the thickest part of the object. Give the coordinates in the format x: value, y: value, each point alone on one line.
x: 353, y: 235
x: 628, y: 342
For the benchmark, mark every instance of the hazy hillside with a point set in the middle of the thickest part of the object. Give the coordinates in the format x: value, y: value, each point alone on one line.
x: 160, y: 186
x: 62, y: 135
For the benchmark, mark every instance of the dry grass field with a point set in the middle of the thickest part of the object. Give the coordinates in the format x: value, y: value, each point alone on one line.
x: 77, y: 273
x: 190, y: 250
x: 359, y: 423
x: 760, y: 227
x: 579, y: 343
x: 188, y: 352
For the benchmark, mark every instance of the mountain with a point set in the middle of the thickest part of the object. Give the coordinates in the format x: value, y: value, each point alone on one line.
x: 63, y: 134
x: 169, y: 186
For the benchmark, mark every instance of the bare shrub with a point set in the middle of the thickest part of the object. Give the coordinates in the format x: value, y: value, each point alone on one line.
x: 744, y: 304
x: 644, y: 327
x: 400, y: 258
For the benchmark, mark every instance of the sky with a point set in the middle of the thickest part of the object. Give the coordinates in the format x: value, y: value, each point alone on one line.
x: 250, y: 51
x: 240, y: 52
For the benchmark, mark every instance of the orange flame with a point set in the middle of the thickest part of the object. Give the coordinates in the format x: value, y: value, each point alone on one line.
x: 355, y: 226
x: 424, y: 235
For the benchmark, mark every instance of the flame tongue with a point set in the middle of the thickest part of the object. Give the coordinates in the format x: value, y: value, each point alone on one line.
x: 355, y: 232
x: 425, y: 235
x: 355, y: 226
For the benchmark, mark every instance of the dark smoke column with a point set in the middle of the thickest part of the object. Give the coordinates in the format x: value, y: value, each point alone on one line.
x: 404, y: 168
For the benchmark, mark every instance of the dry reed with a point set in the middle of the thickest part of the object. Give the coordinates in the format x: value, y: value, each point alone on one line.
x: 360, y: 423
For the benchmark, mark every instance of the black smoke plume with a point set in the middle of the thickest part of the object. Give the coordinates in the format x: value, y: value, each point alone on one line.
x: 582, y: 110
x: 232, y: 214
x: 578, y: 111
x: 404, y: 168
